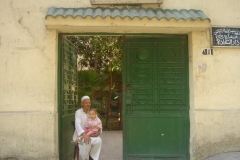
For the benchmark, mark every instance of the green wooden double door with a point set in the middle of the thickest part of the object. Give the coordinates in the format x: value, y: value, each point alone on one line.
x: 155, y: 98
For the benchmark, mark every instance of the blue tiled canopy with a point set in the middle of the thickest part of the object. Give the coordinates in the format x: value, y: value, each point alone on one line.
x: 125, y: 12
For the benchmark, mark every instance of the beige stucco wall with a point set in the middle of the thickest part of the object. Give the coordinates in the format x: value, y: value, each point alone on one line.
x: 28, y: 80
x: 28, y: 58
x: 214, y: 102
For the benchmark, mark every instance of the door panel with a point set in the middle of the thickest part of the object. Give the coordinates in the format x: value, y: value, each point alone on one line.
x: 155, y: 98
x: 67, y: 96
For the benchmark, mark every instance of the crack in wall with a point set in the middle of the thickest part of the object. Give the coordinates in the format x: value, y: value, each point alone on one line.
x: 20, y: 21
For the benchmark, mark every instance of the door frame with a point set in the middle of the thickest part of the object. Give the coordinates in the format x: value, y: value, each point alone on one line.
x: 59, y: 42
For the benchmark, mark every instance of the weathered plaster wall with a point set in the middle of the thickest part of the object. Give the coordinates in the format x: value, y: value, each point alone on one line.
x: 223, y: 13
x: 215, y: 106
x: 28, y: 136
x: 28, y: 57
x: 28, y: 80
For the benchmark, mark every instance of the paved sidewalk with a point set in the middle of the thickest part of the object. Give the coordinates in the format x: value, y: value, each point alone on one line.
x: 112, y: 148
x: 111, y: 145
x: 226, y: 156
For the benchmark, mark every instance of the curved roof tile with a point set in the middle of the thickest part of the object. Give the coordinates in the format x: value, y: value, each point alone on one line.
x: 128, y: 12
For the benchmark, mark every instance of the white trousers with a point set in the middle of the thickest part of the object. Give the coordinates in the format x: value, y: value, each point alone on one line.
x: 93, y: 149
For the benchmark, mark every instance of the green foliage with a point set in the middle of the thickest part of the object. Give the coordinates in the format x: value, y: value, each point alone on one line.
x: 90, y: 81
x: 99, y: 53
x: 102, y: 56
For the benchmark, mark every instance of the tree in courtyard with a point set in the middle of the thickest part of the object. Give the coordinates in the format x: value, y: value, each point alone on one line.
x: 102, y: 54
